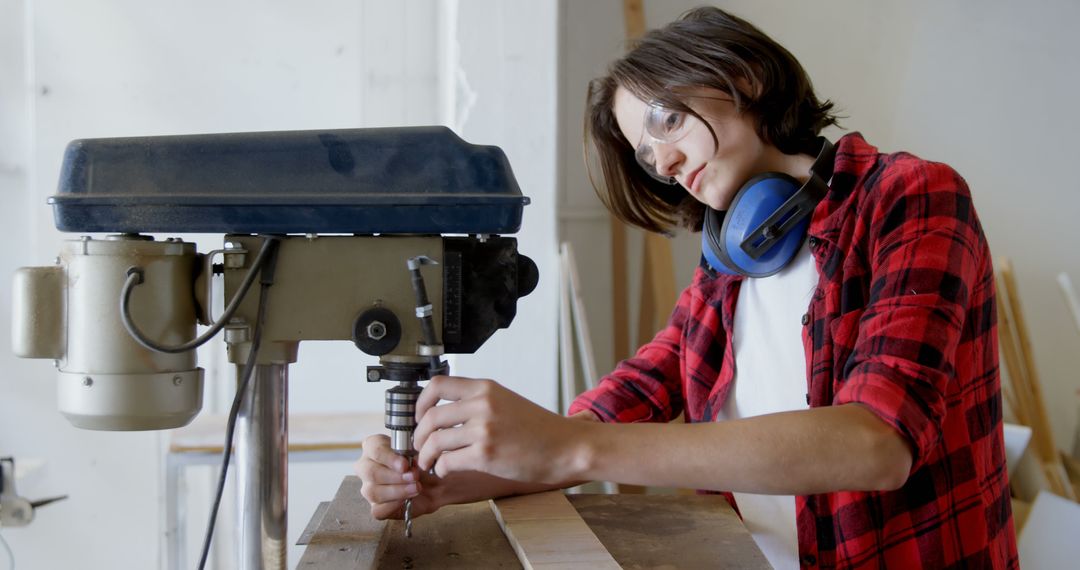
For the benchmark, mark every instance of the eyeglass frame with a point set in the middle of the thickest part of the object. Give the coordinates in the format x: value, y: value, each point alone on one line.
x: 642, y: 145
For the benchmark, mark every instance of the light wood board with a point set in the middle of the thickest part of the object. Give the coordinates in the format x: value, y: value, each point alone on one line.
x: 546, y: 532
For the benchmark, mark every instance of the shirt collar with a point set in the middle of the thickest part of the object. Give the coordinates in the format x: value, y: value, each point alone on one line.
x: 854, y: 159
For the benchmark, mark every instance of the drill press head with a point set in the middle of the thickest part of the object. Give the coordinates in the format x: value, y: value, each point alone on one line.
x: 349, y: 209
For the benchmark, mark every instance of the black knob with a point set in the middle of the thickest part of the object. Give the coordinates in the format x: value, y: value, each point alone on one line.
x: 376, y: 331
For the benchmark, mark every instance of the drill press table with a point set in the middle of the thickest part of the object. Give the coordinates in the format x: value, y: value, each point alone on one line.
x: 639, y: 531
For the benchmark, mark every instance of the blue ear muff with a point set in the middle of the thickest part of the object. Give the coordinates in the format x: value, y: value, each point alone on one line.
x: 766, y: 223
x: 725, y: 233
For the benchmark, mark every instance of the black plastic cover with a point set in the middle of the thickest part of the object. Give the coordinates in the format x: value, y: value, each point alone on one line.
x: 406, y: 180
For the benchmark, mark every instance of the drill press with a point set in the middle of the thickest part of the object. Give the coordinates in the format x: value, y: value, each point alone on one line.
x: 336, y: 226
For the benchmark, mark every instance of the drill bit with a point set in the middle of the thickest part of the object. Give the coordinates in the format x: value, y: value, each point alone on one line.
x: 408, y: 510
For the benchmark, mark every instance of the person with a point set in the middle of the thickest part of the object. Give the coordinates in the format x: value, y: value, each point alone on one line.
x: 850, y: 402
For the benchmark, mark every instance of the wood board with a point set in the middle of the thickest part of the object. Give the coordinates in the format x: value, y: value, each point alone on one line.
x: 639, y: 531
x: 461, y: 537
x: 1024, y: 392
x: 546, y: 532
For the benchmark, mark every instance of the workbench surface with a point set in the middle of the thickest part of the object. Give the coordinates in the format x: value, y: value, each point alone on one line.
x: 640, y: 532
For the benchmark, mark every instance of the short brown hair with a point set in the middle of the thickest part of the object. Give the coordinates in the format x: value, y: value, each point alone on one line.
x: 705, y: 47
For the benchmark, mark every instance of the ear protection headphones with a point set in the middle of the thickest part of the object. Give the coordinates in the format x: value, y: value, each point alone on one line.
x: 764, y: 227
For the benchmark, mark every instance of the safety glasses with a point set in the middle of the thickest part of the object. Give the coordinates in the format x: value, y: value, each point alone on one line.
x: 661, y: 125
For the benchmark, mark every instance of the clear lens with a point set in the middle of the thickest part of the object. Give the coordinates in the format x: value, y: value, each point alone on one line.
x: 662, y: 125
x: 665, y: 125
x: 647, y: 160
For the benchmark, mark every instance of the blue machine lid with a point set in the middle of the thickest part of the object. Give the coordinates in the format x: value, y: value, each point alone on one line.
x: 404, y: 180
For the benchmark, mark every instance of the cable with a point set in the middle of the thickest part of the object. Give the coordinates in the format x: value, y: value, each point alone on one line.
x: 267, y: 279
x: 135, y: 277
x: 10, y: 555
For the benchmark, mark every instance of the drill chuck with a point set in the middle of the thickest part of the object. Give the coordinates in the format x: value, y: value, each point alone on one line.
x: 401, y: 416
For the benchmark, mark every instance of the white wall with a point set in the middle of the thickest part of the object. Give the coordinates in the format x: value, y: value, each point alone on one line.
x: 71, y: 69
x: 507, y: 96
x: 988, y: 87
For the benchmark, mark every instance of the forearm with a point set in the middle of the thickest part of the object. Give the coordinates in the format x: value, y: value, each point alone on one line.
x: 805, y: 452
x: 473, y: 486
x: 526, y: 487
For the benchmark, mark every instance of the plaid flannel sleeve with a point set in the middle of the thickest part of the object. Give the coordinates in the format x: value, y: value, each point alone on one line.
x: 926, y: 254
x: 646, y: 387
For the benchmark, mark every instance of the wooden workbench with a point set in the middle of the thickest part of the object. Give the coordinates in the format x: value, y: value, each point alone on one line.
x: 640, y: 532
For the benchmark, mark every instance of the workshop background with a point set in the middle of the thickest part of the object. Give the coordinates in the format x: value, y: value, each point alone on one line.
x: 986, y: 86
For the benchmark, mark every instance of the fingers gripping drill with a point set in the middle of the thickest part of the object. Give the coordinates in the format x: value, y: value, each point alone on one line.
x: 401, y: 400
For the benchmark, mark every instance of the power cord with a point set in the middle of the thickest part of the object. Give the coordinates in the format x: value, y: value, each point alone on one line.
x: 135, y: 276
x: 10, y: 555
x: 268, y: 265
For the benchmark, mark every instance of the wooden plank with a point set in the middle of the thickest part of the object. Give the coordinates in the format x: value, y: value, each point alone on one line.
x: 1020, y: 400
x: 658, y: 294
x: 639, y: 531
x: 573, y: 326
x: 1058, y: 480
x: 1044, y: 436
x: 313, y: 524
x: 347, y: 536
x: 567, y: 371
x: 1021, y: 510
x: 1071, y: 299
x: 634, y: 18
x: 663, y: 276
x: 546, y: 532
x: 620, y: 292
x: 646, y: 328
x: 670, y: 531
x: 634, y: 21
x: 581, y: 321
x: 1026, y: 384
x: 1072, y: 472
x: 458, y: 537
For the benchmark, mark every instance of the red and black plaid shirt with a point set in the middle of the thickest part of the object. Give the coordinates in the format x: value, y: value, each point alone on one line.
x: 903, y: 322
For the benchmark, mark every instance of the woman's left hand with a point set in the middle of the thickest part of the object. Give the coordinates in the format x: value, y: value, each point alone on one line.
x: 486, y: 427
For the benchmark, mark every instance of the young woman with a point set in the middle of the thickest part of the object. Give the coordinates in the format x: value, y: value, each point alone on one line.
x: 848, y: 395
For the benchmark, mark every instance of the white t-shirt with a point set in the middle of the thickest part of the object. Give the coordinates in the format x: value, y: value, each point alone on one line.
x: 770, y: 377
